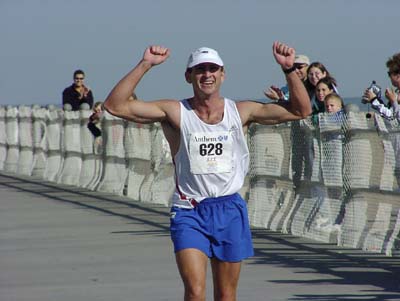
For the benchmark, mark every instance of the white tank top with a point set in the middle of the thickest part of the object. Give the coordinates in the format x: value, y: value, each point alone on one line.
x: 212, y: 159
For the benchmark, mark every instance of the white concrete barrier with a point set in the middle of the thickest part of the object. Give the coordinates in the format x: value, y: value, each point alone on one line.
x: 358, y: 152
x: 39, y: 118
x: 3, y: 137
x: 371, y: 222
x: 89, y: 170
x: 331, y: 147
x: 12, y: 132
x: 354, y: 222
x: 54, y: 136
x: 270, y: 189
x: 114, y: 172
x: 98, y: 158
x: 137, y: 141
x: 270, y: 201
x: 346, y: 189
x: 25, y: 133
x: 305, y: 160
x: 72, y: 156
x: 313, y: 214
x: 271, y: 148
x: 163, y: 184
x: 375, y: 238
x: 391, y: 243
x: 389, y: 132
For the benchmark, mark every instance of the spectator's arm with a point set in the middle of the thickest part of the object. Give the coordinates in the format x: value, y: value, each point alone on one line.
x: 66, y: 97
x: 382, y: 109
x: 89, y: 99
x: 396, y: 108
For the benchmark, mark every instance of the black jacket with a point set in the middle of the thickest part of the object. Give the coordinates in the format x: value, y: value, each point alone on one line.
x: 71, y: 96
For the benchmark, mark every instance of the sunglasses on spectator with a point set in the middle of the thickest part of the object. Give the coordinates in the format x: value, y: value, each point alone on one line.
x: 390, y: 73
x: 299, y: 66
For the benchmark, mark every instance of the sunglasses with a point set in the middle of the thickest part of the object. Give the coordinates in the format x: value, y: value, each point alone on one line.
x: 299, y: 66
x: 390, y: 73
x: 79, y: 78
x: 206, y: 67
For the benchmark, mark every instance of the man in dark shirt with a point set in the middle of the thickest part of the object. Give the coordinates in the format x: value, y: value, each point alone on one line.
x: 77, y: 93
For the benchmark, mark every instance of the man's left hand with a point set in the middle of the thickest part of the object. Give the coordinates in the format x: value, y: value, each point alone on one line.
x: 284, y: 55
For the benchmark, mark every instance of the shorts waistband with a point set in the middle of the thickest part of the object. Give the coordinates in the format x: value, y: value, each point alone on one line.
x: 219, y: 199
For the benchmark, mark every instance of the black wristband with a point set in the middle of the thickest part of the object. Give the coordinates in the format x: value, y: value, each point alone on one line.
x: 290, y: 70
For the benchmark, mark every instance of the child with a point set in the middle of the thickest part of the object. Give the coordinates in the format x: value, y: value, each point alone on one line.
x: 333, y: 103
x: 324, y: 87
x: 94, y: 119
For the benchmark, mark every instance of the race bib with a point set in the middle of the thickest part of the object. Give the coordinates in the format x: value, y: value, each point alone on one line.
x: 210, y: 152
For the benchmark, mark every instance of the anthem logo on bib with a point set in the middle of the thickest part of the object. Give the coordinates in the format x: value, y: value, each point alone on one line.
x: 210, y: 152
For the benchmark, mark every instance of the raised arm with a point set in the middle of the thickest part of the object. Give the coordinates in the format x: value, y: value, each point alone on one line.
x: 299, y: 105
x: 120, y: 102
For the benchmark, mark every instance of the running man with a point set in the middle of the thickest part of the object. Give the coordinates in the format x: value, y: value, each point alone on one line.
x: 206, y: 137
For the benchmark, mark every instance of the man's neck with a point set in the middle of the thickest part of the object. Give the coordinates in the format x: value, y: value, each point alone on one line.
x: 206, y: 101
x: 209, y: 110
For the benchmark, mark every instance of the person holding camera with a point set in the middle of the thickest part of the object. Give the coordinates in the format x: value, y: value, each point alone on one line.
x: 392, y: 109
x: 372, y: 94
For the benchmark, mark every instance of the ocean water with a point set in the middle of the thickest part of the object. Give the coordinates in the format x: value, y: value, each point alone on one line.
x: 357, y: 101
x: 347, y: 100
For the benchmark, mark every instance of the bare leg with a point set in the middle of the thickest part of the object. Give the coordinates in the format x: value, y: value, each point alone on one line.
x: 226, y: 279
x: 192, y: 265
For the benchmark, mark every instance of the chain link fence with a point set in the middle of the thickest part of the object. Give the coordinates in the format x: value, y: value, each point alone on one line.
x: 331, y: 179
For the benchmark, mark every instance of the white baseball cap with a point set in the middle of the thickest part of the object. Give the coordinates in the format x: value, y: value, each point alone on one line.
x: 204, y: 55
x: 301, y: 59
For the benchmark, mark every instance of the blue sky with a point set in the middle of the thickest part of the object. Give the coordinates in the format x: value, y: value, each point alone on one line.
x: 44, y: 41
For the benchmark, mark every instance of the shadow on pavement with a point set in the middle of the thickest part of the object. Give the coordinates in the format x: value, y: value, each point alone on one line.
x: 156, y: 216
x: 341, y: 266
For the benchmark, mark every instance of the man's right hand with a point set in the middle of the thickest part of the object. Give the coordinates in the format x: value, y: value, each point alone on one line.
x: 368, y: 96
x: 274, y: 93
x: 156, y: 55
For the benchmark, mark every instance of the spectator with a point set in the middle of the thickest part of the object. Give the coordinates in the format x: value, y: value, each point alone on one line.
x: 324, y: 87
x: 94, y: 119
x: 333, y: 103
x: 392, y: 108
x: 78, y: 93
x: 303, y: 154
x: 301, y: 63
x: 315, y: 72
x: 393, y: 64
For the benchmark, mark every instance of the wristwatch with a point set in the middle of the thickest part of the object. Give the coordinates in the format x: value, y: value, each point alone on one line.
x: 290, y: 70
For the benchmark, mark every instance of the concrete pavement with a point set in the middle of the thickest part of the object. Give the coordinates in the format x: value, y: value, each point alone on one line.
x: 60, y: 243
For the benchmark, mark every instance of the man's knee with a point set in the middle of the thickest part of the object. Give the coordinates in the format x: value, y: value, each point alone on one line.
x: 195, y: 291
x: 225, y: 294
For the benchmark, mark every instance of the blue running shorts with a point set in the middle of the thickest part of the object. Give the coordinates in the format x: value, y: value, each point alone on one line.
x: 219, y: 227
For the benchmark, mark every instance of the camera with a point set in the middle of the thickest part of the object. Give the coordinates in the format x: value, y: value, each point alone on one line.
x: 377, y: 90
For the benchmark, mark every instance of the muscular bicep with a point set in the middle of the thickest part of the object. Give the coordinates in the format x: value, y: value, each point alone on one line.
x: 146, y: 111
x: 142, y: 111
x: 269, y: 113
